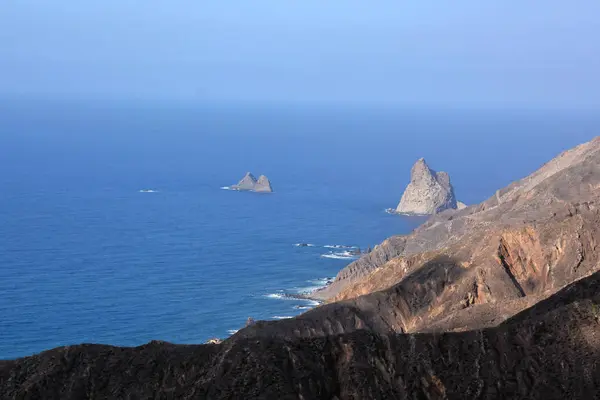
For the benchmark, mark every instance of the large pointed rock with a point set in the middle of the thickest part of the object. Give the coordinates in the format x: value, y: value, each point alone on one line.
x: 263, y: 185
x: 250, y: 183
x: 428, y: 192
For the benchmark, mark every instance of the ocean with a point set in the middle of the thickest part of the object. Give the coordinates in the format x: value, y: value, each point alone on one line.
x: 87, y: 257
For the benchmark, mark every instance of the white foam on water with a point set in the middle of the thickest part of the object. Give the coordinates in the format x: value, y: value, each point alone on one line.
x: 316, y: 284
x: 303, y: 307
x: 233, y: 331
x: 346, y: 255
x: 148, y: 191
x: 282, y: 317
x: 308, y: 303
x: 280, y: 296
x: 304, y: 245
x: 306, y: 290
x: 275, y: 296
x: 339, y: 246
x: 337, y: 257
x: 321, y: 281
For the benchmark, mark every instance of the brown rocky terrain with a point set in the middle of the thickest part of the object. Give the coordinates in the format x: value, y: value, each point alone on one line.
x: 571, y: 178
x: 495, y: 275
x: 523, y: 244
x: 549, y: 351
x: 499, y: 300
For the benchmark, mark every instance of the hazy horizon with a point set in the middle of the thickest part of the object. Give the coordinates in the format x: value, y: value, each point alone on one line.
x: 512, y: 54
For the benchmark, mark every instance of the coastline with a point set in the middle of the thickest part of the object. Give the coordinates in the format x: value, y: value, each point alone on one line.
x: 314, y: 294
x: 392, y: 211
x: 313, y: 302
x: 307, y: 296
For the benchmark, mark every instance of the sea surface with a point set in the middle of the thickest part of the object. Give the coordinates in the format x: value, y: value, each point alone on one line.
x: 86, y: 257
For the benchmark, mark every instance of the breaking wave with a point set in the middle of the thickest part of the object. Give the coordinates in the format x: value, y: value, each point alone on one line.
x: 302, y: 307
x: 344, y: 255
x: 282, y: 317
x: 290, y: 297
x: 233, y: 331
x: 316, y: 284
x: 278, y: 296
x: 339, y: 246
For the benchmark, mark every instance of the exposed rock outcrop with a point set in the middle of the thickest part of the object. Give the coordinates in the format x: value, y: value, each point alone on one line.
x: 250, y: 183
x: 263, y: 185
x: 428, y: 192
x: 563, y: 188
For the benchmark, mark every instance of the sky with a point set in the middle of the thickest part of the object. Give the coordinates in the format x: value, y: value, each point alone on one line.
x: 517, y: 53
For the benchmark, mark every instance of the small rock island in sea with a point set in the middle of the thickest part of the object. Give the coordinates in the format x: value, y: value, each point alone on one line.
x: 251, y: 184
x: 428, y: 192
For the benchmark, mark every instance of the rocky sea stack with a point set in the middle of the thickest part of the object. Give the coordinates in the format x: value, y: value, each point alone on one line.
x: 428, y: 192
x: 251, y: 184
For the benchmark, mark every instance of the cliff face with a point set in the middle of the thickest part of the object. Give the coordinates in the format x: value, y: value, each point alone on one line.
x: 551, y: 204
x: 488, y: 277
x: 550, y: 351
x: 428, y: 192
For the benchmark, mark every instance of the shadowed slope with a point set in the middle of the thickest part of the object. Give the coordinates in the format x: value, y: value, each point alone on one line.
x: 550, y: 351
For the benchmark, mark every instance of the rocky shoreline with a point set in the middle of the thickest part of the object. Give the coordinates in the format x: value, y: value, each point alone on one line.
x: 394, y: 211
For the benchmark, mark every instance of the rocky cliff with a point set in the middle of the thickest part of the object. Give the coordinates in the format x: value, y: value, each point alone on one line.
x: 550, y: 205
x: 250, y: 183
x: 428, y: 192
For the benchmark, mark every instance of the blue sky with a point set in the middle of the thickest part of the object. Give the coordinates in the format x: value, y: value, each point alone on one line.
x: 465, y: 52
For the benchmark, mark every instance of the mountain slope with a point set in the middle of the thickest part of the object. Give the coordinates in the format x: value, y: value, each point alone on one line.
x: 563, y: 187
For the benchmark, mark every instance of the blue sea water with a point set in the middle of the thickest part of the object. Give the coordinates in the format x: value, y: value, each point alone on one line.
x: 86, y: 257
